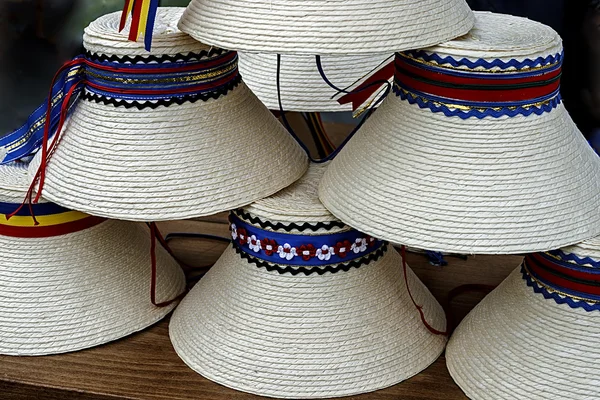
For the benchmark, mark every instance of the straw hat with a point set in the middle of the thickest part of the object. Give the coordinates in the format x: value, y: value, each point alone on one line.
x: 71, y: 291
x: 305, y: 326
x: 534, y: 337
x: 191, y: 157
x: 302, y: 87
x: 450, y: 166
x: 326, y: 27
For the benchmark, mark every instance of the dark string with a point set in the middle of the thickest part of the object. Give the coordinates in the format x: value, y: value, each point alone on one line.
x: 457, y: 291
x: 324, y: 77
x: 315, y: 135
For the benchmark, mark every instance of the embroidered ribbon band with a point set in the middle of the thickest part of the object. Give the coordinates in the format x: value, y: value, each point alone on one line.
x: 563, y: 279
x: 317, y: 250
x: 129, y: 82
x: 478, y: 89
x: 50, y: 220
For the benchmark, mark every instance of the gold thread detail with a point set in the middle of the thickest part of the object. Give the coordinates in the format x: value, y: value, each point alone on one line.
x: 479, y: 69
x: 552, y: 290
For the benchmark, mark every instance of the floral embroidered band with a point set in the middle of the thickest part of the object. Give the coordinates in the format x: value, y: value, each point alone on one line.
x: 316, y: 250
x: 564, y: 278
x: 479, y: 88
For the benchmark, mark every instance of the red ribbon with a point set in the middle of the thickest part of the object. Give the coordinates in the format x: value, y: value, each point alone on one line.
x: 560, y: 276
x: 52, y: 230
x: 368, y: 88
x: 471, y: 86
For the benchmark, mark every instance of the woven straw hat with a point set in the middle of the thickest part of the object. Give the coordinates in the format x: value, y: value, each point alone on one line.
x: 161, y: 162
x: 445, y: 164
x: 326, y: 26
x: 302, y: 87
x: 296, y: 328
x: 76, y: 290
x: 529, y: 339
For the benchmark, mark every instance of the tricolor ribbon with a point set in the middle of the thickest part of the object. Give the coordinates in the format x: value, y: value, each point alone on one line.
x: 143, y: 16
x: 51, y: 220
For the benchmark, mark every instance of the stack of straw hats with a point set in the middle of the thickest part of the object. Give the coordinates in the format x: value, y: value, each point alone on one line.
x: 79, y: 280
x: 302, y: 306
x: 153, y: 161
x: 74, y: 281
x: 474, y: 152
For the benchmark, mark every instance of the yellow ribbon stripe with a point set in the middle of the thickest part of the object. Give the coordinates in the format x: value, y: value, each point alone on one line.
x: 44, y: 220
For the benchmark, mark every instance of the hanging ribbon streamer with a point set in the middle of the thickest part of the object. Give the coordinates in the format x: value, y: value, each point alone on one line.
x: 419, y: 307
x: 28, y: 138
x: 359, y: 97
x: 141, y: 83
x: 143, y: 17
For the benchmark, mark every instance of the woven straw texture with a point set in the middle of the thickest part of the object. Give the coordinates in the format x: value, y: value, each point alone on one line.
x: 302, y: 87
x: 79, y: 290
x: 491, y: 185
x: 302, y: 336
x: 326, y: 26
x: 518, y: 345
x: 174, y: 162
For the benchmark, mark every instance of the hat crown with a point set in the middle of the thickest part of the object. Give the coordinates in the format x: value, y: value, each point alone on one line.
x: 102, y: 36
x: 14, y: 182
x: 500, y: 37
x: 585, y: 254
x: 297, y: 204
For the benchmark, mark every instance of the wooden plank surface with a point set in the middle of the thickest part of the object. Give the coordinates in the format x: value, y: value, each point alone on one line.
x: 145, y: 366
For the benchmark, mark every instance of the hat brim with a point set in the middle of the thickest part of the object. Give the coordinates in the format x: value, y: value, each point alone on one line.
x: 307, y: 336
x: 351, y: 27
x: 172, y: 162
x: 516, y: 344
x: 75, y: 291
x: 492, y: 185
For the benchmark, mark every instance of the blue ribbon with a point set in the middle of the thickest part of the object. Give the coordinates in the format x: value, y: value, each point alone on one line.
x: 38, y: 209
x: 28, y: 138
x: 197, y: 79
x: 296, y: 241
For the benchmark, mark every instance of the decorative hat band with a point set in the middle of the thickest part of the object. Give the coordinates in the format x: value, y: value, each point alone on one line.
x: 478, y: 89
x: 303, y: 253
x: 141, y: 82
x: 565, y: 278
x: 50, y: 220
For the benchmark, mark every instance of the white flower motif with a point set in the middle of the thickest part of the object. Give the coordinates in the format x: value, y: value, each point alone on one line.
x: 324, y: 253
x: 286, y: 251
x: 359, y: 245
x: 234, y: 234
x: 254, y: 243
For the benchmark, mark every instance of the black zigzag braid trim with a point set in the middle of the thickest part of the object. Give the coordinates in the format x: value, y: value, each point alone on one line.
x: 316, y: 269
x: 153, y: 104
x: 289, y: 227
x: 160, y: 58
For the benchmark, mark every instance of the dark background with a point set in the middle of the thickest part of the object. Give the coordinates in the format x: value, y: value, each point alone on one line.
x: 37, y: 36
